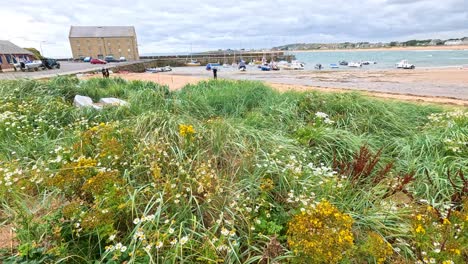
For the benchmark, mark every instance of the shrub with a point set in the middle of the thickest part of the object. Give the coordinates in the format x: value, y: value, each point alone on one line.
x: 320, y: 234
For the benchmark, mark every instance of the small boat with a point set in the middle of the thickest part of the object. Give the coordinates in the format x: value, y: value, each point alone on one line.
x: 355, y: 64
x: 368, y: 62
x: 274, y: 66
x: 193, y: 63
x: 343, y: 63
x: 318, y: 66
x: 295, y: 65
x: 210, y: 66
x: 265, y: 68
x: 404, y: 64
x: 334, y: 66
x: 161, y: 69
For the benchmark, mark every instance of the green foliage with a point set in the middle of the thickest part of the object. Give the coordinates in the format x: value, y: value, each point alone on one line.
x: 227, y: 172
x: 35, y: 52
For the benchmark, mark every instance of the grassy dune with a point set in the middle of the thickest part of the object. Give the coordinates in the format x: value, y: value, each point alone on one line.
x: 229, y: 172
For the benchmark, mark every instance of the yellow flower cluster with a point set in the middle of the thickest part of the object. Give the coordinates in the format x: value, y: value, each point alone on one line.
x: 377, y: 247
x: 186, y: 130
x: 267, y: 185
x: 320, y: 234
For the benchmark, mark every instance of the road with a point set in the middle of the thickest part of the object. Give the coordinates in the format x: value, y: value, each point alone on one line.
x: 65, y: 69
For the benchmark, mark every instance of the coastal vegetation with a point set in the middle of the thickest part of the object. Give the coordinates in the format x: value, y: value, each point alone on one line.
x: 367, y: 45
x: 228, y: 172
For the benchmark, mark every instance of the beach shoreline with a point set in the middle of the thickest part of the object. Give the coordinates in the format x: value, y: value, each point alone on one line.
x: 425, y: 48
x: 441, y: 86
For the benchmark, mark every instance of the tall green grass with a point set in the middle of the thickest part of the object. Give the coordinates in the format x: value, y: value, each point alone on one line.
x: 248, y: 133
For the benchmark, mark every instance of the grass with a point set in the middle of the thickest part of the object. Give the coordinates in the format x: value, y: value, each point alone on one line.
x: 129, y: 184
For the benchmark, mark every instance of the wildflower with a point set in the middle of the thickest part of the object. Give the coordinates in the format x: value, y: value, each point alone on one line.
x: 186, y: 130
x: 173, y: 242
x: 306, y: 233
x: 448, y: 262
x: 159, y: 245
x: 446, y: 221
x: 321, y: 115
x: 148, y: 247
x: 171, y: 230
x: 111, y: 238
x: 118, y: 246
x: 123, y: 249
x: 432, y: 260
x: 420, y: 229
x: 224, y: 231
x: 183, y: 240
x: 136, y: 221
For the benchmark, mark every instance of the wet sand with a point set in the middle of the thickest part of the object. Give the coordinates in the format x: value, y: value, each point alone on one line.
x: 447, y: 85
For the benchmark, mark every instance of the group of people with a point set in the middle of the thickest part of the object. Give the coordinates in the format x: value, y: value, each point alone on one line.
x: 105, y: 73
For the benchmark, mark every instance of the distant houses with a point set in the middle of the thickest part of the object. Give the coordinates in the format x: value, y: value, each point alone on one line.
x: 10, y: 54
x: 99, y: 42
x: 368, y: 45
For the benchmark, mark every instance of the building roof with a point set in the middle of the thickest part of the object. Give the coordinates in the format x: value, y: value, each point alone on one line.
x: 6, y: 47
x: 102, y: 32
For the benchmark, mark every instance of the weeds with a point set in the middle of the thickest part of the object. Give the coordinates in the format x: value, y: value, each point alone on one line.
x: 228, y: 172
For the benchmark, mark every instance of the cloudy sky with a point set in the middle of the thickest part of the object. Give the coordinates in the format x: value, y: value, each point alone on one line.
x: 171, y: 26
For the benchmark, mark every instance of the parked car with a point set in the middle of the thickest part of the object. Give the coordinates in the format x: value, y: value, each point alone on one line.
x: 123, y: 59
x: 29, y: 65
x: 98, y: 61
x: 50, y: 63
x: 111, y: 59
x: 87, y: 59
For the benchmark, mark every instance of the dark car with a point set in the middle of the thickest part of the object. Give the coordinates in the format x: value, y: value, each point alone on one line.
x: 97, y: 61
x: 50, y: 63
x: 111, y: 59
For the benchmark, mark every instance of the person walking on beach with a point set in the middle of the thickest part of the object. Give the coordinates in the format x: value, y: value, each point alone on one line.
x: 215, y: 73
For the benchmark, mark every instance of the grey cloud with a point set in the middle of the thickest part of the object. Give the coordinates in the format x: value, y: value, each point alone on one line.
x: 172, y: 25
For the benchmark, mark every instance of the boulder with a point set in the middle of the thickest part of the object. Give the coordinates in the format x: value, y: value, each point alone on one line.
x: 85, y: 101
x: 112, y: 101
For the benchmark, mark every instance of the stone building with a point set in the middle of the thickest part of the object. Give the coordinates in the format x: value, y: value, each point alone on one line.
x: 10, y: 54
x: 99, y: 42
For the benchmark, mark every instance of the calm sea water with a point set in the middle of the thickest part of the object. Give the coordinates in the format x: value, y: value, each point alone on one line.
x: 386, y: 59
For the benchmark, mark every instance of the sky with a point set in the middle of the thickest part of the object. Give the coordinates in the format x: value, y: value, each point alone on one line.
x: 175, y: 26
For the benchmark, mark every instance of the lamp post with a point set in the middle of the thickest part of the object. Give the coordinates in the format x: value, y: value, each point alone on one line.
x: 40, y: 45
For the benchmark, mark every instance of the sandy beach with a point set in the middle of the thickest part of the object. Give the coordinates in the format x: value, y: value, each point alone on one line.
x: 427, y: 48
x: 445, y: 86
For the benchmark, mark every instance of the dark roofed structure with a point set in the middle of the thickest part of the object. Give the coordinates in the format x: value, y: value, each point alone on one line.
x: 10, y: 54
x: 102, y: 32
x: 6, y: 47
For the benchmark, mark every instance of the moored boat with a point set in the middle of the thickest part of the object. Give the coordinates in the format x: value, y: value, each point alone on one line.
x: 355, y: 64
x: 193, y: 63
x: 404, y: 64
x: 295, y: 65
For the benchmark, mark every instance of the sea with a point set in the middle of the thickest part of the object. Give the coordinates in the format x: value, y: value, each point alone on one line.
x: 386, y: 59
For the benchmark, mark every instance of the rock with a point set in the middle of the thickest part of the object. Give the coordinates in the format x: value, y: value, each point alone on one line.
x: 82, y: 101
x: 85, y: 101
x: 113, y: 101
